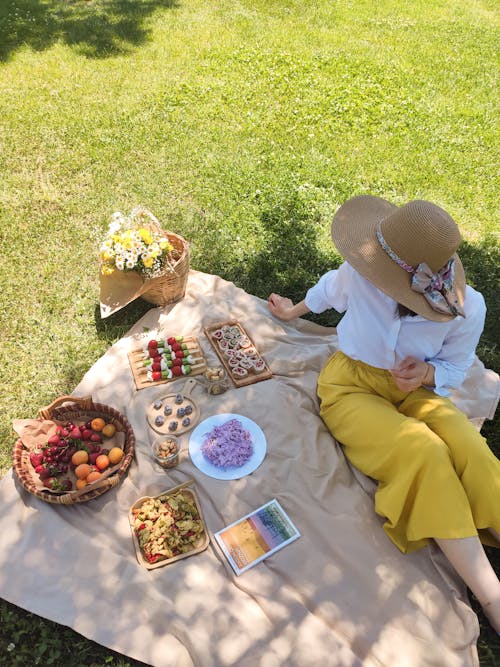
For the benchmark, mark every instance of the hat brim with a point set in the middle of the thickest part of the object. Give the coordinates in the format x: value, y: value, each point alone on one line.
x: 354, y: 229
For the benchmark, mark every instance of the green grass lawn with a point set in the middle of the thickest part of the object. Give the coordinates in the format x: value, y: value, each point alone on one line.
x: 242, y: 126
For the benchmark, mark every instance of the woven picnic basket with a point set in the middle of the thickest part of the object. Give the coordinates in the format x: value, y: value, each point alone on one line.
x: 68, y: 408
x: 171, y: 285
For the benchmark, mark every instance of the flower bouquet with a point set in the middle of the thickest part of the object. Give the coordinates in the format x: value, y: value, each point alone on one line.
x: 138, y: 258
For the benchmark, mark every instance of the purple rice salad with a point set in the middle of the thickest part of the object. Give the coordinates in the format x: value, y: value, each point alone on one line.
x: 228, y: 445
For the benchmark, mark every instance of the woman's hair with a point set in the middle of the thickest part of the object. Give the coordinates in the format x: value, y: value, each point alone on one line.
x: 401, y: 311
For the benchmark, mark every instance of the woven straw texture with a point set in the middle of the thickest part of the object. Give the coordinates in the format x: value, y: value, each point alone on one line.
x: 67, y: 408
x: 171, y: 286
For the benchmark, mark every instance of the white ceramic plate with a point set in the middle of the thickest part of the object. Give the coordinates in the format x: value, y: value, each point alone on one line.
x: 199, y: 434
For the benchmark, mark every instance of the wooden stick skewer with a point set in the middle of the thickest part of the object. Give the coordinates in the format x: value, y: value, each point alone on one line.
x: 143, y: 371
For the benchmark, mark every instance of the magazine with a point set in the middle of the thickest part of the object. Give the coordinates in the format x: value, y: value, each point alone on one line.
x: 256, y: 536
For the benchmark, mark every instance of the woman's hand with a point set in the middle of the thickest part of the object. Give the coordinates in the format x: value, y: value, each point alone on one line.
x: 412, y: 373
x: 284, y: 308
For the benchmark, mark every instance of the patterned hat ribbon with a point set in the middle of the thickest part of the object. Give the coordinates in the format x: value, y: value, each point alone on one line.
x: 437, y: 288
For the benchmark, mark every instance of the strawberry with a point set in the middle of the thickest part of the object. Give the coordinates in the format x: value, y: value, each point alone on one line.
x: 176, y: 370
x: 75, y: 433
x: 96, y: 437
x: 86, y: 433
x: 43, y: 472
x: 54, y: 440
x: 36, y: 459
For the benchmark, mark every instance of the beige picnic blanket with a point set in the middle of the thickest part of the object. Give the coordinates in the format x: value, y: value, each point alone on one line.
x: 340, y: 595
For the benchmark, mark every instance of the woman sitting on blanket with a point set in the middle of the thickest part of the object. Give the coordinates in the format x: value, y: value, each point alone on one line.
x: 408, y: 337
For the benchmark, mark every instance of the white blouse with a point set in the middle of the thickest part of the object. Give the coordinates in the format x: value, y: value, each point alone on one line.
x: 371, y: 330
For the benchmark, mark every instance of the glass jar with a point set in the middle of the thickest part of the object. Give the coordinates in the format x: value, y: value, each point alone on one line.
x: 216, y: 381
x: 166, y: 451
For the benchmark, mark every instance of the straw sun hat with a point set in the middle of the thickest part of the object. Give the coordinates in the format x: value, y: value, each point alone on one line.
x: 408, y: 252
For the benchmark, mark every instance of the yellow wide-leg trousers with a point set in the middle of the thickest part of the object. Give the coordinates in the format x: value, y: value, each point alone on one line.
x: 437, y: 476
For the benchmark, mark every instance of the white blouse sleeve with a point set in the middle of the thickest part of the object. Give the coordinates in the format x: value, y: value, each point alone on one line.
x: 459, y: 347
x: 331, y: 291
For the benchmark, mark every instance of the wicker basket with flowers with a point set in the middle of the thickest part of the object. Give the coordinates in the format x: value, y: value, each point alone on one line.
x: 138, y: 243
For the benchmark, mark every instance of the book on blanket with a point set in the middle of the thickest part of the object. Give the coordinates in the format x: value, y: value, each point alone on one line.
x: 256, y: 536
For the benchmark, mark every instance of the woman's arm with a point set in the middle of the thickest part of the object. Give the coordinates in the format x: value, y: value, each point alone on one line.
x: 284, y: 308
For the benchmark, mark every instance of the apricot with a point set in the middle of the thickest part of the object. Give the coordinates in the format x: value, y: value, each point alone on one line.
x: 83, y: 470
x: 97, y: 424
x: 102, y: 462
x: 80, y: 483
x: 95, y: 474
x: 115, y: 455
x: 80, y: 456
x: 109, y: 430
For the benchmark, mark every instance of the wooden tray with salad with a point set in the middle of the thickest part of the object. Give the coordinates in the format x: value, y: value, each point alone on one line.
x: 168, y: 527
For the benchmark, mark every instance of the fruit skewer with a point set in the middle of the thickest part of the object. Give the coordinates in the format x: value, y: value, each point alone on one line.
x: 175, y: 371
x: 163, y: 358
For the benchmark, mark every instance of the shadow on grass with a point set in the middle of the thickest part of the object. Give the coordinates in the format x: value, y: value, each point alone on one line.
x: 115, y: 326
x: 95, y: 28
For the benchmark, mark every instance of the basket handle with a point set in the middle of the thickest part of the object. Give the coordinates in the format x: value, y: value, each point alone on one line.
x: 70, y: 498
x: 85, y: 402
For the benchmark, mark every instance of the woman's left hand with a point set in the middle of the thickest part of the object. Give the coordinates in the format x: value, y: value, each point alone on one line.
x: 412, y: 373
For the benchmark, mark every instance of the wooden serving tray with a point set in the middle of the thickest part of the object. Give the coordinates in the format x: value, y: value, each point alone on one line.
x: 200, y: 545
x: 136, y: 359
x: 249, y: 351
x: 185, y: 400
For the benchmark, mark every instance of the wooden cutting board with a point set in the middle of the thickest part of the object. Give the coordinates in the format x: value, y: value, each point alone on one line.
x: 238, y: 340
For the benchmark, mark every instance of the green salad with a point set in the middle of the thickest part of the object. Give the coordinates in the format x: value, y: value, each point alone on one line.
x: 167, y: 526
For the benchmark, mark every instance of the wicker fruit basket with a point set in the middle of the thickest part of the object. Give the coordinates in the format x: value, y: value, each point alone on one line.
x: 171, y: 285
x: 71, y: 408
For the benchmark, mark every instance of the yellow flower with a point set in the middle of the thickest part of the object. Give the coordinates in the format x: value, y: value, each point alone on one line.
x: 165, y: 245
x: 145, y: 235
x: 107, y: 270
x: 148, y: 262
x: 106, y: 255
